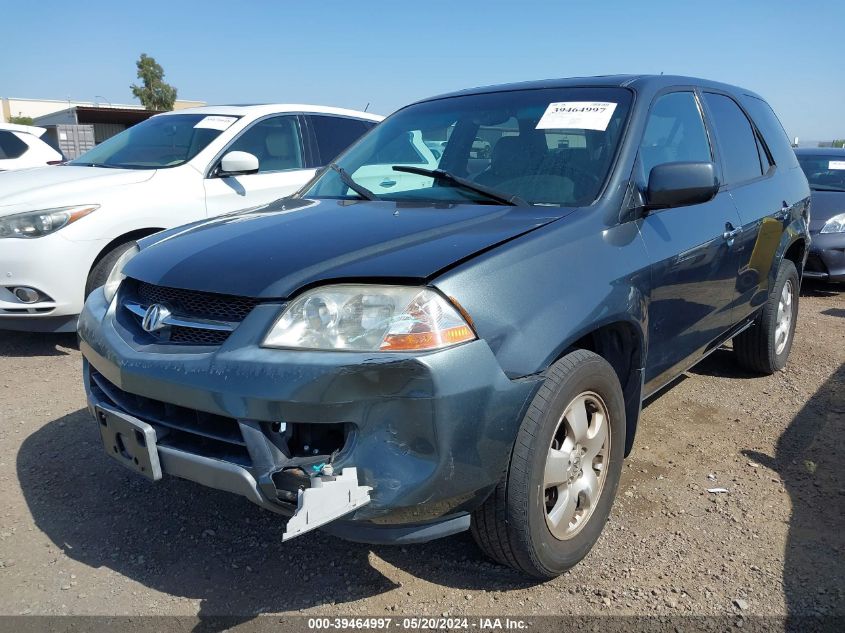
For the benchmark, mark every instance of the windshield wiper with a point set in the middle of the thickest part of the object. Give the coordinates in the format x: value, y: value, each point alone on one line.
x: 347, y: 180
x: 440, y: 174
x: 92, y: 165
x: 826, y: 188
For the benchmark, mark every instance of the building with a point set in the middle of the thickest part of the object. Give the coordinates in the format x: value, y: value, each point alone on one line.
x: 107, y: 119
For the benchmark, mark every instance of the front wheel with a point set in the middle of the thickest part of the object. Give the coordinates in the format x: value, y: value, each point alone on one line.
x: 764, y: 347
x: 550, y: 509
x: 100, y: 272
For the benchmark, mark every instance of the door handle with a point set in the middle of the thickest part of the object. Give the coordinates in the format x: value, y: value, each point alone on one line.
x: 730, y: 232
x: 387, y: 183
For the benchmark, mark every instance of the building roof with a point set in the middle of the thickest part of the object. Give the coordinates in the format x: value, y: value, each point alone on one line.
x: 94, y: 114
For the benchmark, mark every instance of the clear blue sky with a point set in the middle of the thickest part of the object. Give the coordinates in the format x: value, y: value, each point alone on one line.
x: 391, y: 53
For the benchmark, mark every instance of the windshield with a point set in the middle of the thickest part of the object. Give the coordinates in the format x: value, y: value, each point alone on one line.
x: 824, y: 173
x: 161, y: 141
x: 550, y: 146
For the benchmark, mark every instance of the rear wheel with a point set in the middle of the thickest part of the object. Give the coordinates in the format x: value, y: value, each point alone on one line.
x: 100, y: 272
x: 764, y: 347
x: 565, y: 467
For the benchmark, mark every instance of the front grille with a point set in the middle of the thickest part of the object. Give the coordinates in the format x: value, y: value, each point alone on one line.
x: 193, y: 307
x: 194, y: 336
x: 190, y: 430
x: 194, y: 303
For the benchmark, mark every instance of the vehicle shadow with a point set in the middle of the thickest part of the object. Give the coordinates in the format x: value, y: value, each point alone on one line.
x: 809, y: 459
x: 835, y: 312
x: 181, y: 539
x: 815, y: 288
x: 28, y: 344
x: 721, y: 363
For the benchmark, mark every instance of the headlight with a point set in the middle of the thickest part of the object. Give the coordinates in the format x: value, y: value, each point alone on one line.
x: 369, y: 318
x: 116, y: 275
x: 34, y: 224
x: 836, y: 224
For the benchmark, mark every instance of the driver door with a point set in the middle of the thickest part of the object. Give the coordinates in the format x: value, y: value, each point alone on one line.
x: 694, y: 265
x: 277, y: 143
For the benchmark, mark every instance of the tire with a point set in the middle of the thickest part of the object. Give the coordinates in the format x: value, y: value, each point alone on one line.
x: 100, y: 272
x: 764, y: 347
x: 514, y: 526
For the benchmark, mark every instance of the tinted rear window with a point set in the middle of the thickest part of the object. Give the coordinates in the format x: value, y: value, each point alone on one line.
x: 737, y: 141
x: 772, y: 130
x: 10, y: 145
x: 334, y: 134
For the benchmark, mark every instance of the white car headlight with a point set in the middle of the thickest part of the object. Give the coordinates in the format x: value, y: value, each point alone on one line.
x: 369, y: 318
x: 836, y: 224
x: 34, y: 224
x: 116, y: 275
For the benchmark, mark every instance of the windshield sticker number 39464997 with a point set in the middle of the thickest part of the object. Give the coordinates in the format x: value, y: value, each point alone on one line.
x: 577, y: 115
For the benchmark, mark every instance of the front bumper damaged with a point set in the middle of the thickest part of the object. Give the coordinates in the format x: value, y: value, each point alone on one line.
x: 418, y: 441
x: 327, y: 499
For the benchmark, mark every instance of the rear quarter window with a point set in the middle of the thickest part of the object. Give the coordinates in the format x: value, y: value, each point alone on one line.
x: 772, y: 130
x: 10, y: 145
x: 737, y: 142
x: 334, y: 134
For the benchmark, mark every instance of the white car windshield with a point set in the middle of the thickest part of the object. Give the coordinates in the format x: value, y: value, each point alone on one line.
x: 551, y: 146
x: 158, y: 142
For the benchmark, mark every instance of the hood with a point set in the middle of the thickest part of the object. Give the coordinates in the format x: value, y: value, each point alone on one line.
x: 61, y: 185
x: 273, y: 251
x: 823, y: 206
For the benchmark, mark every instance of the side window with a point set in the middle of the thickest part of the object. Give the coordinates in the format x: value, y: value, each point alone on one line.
x: 10, y: 145
x: 406, y: 149
x: 275, y: 141
x: 737, y: 141
x: 674, y: 133
x: 772, y: 129
x: 334, y: 134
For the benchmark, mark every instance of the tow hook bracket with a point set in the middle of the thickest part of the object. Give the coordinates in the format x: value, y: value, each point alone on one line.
x: 328, y: 498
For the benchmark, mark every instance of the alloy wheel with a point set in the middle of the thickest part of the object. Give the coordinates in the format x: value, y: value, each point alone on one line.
x: 784, y: 317
x: 576, y: 465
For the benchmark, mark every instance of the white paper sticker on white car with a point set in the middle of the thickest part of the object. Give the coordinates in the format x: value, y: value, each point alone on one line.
x: 216, y: 122
x: 836, y: 164
x: 578, y: 115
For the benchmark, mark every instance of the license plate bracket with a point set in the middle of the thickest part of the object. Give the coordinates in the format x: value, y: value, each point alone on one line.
x: 129, y: 441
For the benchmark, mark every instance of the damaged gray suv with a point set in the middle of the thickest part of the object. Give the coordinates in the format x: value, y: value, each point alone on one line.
x: 420, y: 343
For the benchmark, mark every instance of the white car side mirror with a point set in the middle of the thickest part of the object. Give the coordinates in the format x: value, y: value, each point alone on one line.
x: 238, y: 164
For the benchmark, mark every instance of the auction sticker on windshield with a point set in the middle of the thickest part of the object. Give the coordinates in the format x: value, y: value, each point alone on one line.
x: 577, y: 115
x: 836, y: 164
x: 216, y: 122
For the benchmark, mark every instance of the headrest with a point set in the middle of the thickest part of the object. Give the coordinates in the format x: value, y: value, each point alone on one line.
x: 279, y: 145
x: 509, y: 154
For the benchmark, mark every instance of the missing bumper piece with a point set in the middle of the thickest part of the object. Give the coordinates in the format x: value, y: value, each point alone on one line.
x: 327, y: 499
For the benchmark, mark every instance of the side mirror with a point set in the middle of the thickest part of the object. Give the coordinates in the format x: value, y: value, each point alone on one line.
x: 681, y: 184
x: 237, y: 164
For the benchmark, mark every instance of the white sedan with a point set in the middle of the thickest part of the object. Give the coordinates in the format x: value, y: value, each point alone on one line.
x: 63, y: 227
x: 21, y: 147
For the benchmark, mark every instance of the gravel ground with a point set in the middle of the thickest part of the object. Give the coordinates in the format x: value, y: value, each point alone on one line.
x: 79, y: 535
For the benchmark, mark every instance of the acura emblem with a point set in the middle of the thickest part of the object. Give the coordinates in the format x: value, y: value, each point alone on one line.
x: 155, y: 317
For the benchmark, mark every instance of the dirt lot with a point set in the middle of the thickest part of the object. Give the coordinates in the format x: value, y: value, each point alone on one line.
x: 79, y: 535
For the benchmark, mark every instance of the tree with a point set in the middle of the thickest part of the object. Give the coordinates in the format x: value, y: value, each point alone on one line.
x: 155, y: 94
x: 21, y: 120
